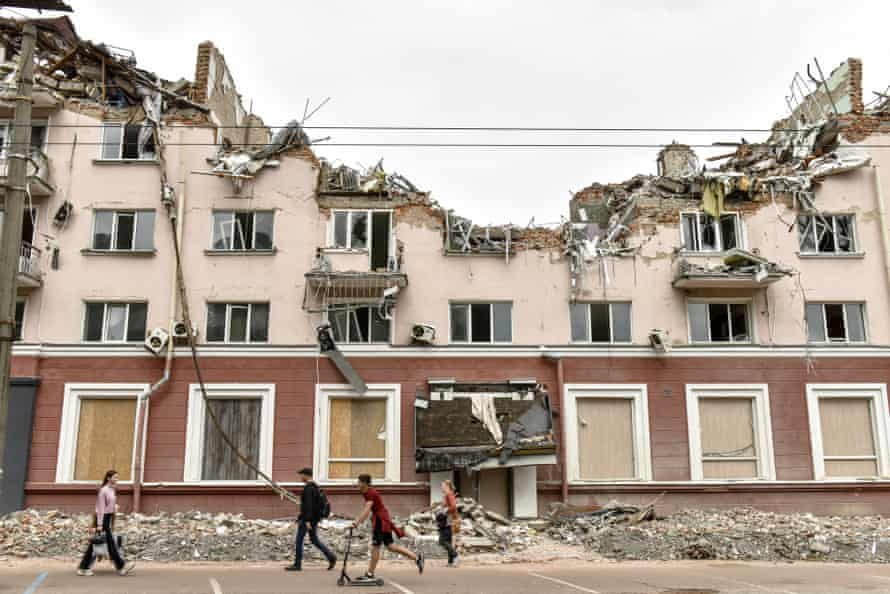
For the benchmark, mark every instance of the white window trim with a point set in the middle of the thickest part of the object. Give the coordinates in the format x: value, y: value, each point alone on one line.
x: 763, y: 433
x: 880, y: 420
x: 490, y: 304
x: 228, y: 322
x: 843, y: 305
x: 194, y: 433
x: 739, y: 229
x: 331, y: 232
x: 74, y: 393
x: 392, y: 325
x: 589, y: 339
x: 638, y: 394
x: 752, y: 326
x: 323, y: 394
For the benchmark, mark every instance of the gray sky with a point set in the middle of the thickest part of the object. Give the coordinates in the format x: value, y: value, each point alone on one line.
x: 506, y: 63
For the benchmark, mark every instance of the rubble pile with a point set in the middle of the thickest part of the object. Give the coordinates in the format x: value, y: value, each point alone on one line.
x: 738, y: 534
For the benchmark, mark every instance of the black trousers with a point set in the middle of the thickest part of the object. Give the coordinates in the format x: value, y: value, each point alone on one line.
x: 89, y: 557
x: 445, y: 540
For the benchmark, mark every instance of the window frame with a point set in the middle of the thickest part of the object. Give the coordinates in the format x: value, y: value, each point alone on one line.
x: 391, y: 321
x: 196, y: 422
x: 880, y: 425
x: 105, y: 304
x: 718, y: 232
x: 638, y: 394
x: 115, y: 214
x: 468, y: 305
x: 228, y: 322
x: 369, y: 212
x: 854, y: 235
x: 6, y: 128
x: 589, y: 339
x: 321, y: 442
x: 19, y: 330
x: 70, y: 423
x: 843, y: 304
x: 763, y: 433
x: 752, y: 330
x: 120, y: 146
x: 235, y: 212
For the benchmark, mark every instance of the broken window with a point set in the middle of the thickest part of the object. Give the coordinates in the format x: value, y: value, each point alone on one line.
x: 115, y: 322
x: 104, y: 438
x: 123, y: 230
x: 121, y: 141
x: 835, y: 322
x: 240, y: 419
x: 356, y: 325
x: 482, y: 322
x: 38, y: 137
x: 350, y: 229
x: 719, y: 322
x: 600, y: 322
x: 19, y: 320
x: 849, y: 447
x: 826, y: 234
x: 361, y: 230
x: 237, y: 322
x: 357, y: 438
x: 703, y: 233
x: 242, y: 230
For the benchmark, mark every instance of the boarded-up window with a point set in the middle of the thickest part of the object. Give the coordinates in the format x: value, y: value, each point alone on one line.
x: 239, y: 418
x: 727, y: 438
x: 357, y: 438
x: 605, y: 438
x: 848, y: 439
x: 105, y: 438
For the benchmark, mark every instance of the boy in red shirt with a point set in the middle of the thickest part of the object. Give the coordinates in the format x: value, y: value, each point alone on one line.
x: 382, y: 526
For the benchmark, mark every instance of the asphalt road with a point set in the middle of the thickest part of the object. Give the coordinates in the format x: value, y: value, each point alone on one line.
x: 41, y: 577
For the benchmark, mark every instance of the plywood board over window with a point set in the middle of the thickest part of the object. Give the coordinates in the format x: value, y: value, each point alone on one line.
x: 357, y: 438
x: 240, y: 419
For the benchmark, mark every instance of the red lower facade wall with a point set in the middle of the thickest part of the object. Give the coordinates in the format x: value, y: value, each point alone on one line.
x: 296, y: 378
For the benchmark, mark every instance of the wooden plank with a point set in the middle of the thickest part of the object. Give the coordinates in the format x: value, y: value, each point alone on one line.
x: 240, y: 419
x: 368, y: 422
x: 494, y: 490
x: 340, y: 428
x: 105, y: 438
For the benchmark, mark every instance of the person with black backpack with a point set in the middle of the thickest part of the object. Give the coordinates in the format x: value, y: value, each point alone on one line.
x: 313, y: 507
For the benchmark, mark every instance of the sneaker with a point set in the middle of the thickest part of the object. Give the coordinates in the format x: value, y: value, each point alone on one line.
x: 454, y: 562
x: 84, y: 572
x: 293, y: 568
x: 419, y: 562
x: 126, y: 569
x: 332, y: 562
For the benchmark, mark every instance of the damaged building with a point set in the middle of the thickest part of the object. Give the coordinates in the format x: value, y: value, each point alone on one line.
x: 718, y: 331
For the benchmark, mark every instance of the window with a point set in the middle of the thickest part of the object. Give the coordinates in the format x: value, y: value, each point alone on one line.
x: 835, y: 322
x: 245, y: 413
x: 703, y: 233
x: 38, y: 137
x: 98, y: 422
x: 600, y: 322
x: 127, y: 141
x: 364, y: 230
x: 19, y: 320
x: 730, y: 437
x: 358, y: 325
x: 848, y: 430
x: 607, y: 432
x: 241, y: 230
x: 826, y: 234
x: 123, y: 230
x: 115, y: 322
x: 357, y: 434
x: 237, y: 322
x: 482, y: 322
x: 719, y: 322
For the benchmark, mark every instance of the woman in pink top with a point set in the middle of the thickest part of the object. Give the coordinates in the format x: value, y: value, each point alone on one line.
x: 106, y: 504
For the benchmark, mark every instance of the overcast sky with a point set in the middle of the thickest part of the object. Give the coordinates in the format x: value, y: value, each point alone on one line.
x: 626, y: 63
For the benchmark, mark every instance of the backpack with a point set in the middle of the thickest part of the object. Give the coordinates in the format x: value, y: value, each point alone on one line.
x: 325, y: 508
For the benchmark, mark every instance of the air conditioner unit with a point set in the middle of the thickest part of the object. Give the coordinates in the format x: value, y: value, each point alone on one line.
x: 157, y: 340
x: 660, y: 341
x: 180, y: 330
x: 423, y: 333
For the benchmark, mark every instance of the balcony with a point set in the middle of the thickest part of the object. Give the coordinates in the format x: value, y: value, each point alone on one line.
x: 29, y: 275
x: 38, y: 173
x: 740, y: 269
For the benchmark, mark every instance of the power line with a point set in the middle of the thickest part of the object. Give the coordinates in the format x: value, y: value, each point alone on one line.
x: 724, y: 146
x: 398, y: 128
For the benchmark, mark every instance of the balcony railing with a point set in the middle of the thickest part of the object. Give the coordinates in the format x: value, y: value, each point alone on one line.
x: 29, y: 264
x: 38, y: 172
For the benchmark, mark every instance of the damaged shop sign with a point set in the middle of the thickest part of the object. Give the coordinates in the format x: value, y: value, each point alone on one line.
x: 740, y: 269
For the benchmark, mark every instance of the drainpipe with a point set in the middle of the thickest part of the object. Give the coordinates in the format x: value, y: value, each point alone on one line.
x: 142, y: 399
x: 882, y: 217
x: 560, y: 399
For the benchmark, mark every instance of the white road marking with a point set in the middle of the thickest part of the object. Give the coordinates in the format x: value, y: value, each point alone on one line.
x: 33, y: 587
x: 215, y: 585
x: 750, y: 585
x: 880, y: 577
x: 568, y: 584
x: 401, y: 588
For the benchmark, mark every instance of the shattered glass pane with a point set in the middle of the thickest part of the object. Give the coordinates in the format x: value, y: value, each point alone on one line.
x: 844, y: 235
x: 599, y: 322
x: 621, y: 322
x: 480, y: 322
x: 718, y: 322
x: 690, y: 232
x: 263, y: 230
x: 834, y: 322
x: 359, y: 231
x: 708, y: 231
x: 216, y: 322
x: 729, y: 231
x: 503, y: 322
x: 243, y: 231
x: 338, y: 319
x: 340, y: 229
x: 459, y: 323
x: 222, y: 230
x: 815, y: 323
x: 131, y: 142
x: 259, y: 322
x: 578, y: 316
x: 824, y: 235
x: 698, y: 322
x: 739, y: 322
x: 805, y: 234
x: 855, y: 322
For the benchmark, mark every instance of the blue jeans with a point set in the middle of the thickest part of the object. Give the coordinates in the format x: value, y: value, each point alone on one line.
x: 313, y: 536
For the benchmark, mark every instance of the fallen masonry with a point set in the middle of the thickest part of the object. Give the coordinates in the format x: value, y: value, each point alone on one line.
x: 612, y: 531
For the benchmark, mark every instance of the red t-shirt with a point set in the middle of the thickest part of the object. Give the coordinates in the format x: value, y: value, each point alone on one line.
x: 378, y: 510
x: 450, y: 502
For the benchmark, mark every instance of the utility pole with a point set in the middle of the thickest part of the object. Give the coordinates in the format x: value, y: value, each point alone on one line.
x: 14, y: 207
